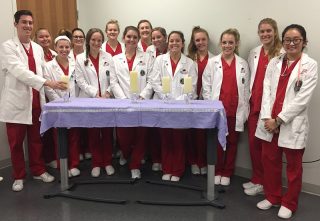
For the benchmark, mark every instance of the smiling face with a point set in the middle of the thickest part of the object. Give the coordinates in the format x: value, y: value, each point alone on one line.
x: 175, y: 43
x: 131, y: 39
x: 95, y: 41
x: 43, y: 38
x: 201, y: 41
x: 293, y: 43
x: 24, y: 28
x: 112, y: 31
x: 77, y: 39
x: 228, y: 44
x: 158, y: 39
x: 63, y: 47
x: 266, y: 34
x: 145, y: 30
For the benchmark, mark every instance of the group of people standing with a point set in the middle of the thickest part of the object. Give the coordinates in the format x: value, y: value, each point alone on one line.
x: 271, y: 90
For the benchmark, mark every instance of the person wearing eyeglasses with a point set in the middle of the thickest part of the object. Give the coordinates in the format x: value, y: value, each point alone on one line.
x: 258, y: 60
x: 283, y: 125
x: 226, y: 78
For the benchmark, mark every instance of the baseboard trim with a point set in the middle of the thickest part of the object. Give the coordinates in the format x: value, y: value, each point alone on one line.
x: 306, y: 187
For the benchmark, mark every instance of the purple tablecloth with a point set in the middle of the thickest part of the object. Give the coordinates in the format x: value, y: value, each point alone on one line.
x: 95, y: 112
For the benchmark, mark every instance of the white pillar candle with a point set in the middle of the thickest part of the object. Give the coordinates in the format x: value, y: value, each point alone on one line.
x: 65, y: 79
x: 134, y: 84
x: 166, y: 84
x: 187, y: 86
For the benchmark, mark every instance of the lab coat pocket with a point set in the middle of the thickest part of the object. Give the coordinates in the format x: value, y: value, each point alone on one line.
x: 298, y: 125
x: 17, y: 100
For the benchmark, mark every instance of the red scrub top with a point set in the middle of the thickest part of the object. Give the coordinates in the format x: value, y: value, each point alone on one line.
x: 257, y: 88
x: 173, y: 66
x: 111, y: 51
x: 130, y: 62
x: 229, y: 88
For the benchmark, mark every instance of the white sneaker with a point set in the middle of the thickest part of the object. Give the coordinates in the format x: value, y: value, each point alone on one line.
x: 95, y: 172
x: 284, y: 212
x: 87, y: 156
x: 17, y: 185
x: 53, y: 164
x: 255, y: 190
x: 175, y: 179
x: 217, y: 180
x: 135, y: 174
x: 122, y: 161
x: 248, y: 185
x: 203, y: 170
x: 225, y: 181
x: 1, y: 178
x: 166, y: 177
x: 109, y: 170
x: 264, y: 204
x: 156, y: 166
x: 45, y: 177
x: 74, y: 172
x: 195, y: 170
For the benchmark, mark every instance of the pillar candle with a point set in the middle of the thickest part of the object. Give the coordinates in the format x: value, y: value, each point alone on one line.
x: 166, y: 84
x: 187, y: 88
x: 134, y: 86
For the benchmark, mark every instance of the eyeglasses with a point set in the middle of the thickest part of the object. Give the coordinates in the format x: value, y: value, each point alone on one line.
x: 77, y: 37
x: 295, y: 41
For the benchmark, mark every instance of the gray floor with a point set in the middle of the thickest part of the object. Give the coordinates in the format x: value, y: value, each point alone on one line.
x: 29, y: 204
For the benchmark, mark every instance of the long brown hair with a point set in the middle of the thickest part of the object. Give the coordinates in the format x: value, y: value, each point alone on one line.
x: 192, y: 48
x: 88, y: 38
x: 276, y: 47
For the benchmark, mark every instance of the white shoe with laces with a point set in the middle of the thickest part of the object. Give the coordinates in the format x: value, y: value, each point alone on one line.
x: 74, y: 172
x: 195, y: 170
x: 45, y: 177
x: 217, y: 180
x: 284, y: 212
x: 265, y: 205
x: 135, y: 174
x: 95, y: 172
x: 225, y: 181
x: 203, y: 170
x: 166, y: 177
x: 109, y: 170
x: 175, y: 179
x: 248, y: 185
x: 17, y: 185
x: 1, y: 178
x: 255, y: 190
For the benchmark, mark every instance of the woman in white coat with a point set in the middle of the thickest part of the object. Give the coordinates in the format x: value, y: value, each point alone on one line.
x: 176, y: 66
x: 62, y: 65
x: 93, y: 70
x: 159, y: 43
x: 258, y: 60
x: 112, y: 45
x: 145, y: 28
x: 226, y: 78
x: 198, y: 51
x: 283, y: 126
x: 131, y: 140
x: 43, y: 37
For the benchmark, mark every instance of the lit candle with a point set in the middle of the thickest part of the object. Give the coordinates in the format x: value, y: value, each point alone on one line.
x: 166, y: 84
x: 187, y: 88
x: 65, y: 79
x: 134, y: 86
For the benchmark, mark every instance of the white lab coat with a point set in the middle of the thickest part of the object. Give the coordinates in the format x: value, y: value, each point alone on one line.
x: 294, y: 131
x: 162, y: 67
x: 139, y: 46
x: 212, y: 80
x: 120, y: 81
x: 16, y: 95
x: 53, y: 72
x: 86, y: 76
x: 103, y: 47
x: 151, y: 50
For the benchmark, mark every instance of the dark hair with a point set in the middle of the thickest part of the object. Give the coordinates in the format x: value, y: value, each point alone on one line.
x: 276, y: 47
x: 36, y: 33
x: 78, y: 29
x: 19, y: 13
x: 88, y: 38
x: 161, y: 30
x: 181, y: 36
x: 299, y: 28
x: 130, y: 28
x: 142, y: 21
x: 65, y: 32
x: 192, y: 48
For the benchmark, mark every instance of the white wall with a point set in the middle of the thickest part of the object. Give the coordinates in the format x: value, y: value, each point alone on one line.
x: 216, y: 16
x: 7, y: 9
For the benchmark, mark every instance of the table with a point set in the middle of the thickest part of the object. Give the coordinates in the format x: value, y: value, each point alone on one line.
x: 97, y: 112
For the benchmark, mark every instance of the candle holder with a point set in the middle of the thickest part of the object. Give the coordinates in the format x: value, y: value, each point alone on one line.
x: 167, y: 98
x: 66, y: 96
x: 134, y: 98
x: 188, y: 98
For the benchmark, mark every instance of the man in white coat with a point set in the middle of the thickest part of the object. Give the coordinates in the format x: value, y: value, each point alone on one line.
x: 21, y: 99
